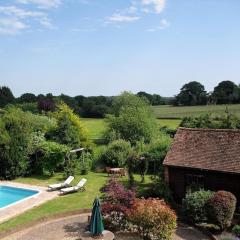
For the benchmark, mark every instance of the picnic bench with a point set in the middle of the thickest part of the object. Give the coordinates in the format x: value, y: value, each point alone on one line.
x: 115, y: 171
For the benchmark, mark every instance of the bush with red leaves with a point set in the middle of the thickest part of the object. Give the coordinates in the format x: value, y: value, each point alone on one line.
x: 221, y: 207
x: 116, y: 203
x: 153, y: 219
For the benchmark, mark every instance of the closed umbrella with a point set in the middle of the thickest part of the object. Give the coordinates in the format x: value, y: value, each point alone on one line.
x: 96, y: 222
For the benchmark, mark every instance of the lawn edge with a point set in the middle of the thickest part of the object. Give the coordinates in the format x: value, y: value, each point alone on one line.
x: 41, y: 220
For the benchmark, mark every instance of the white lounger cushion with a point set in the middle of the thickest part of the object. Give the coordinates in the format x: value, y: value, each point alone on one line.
x: 59, y: 185
x: 75, y: 188
x: 69, y: 180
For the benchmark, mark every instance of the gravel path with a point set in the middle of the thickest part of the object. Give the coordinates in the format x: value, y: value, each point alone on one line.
x: 70, y: 228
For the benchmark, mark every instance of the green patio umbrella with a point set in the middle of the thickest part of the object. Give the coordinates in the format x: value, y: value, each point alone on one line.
x: 96, y: 223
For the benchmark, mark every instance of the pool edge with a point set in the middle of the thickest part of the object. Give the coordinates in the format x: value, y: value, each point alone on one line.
x: 24, y: 199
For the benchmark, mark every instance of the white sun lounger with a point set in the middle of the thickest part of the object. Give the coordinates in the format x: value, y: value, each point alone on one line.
x: 78, y: 187
x: 57, y: 186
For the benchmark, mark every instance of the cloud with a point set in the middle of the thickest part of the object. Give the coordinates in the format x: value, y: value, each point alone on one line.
x: 132, y: 9
x: 138, y: 9
x: 46, y: 22
x: 13, y: 19
x: 122, y: 18
x: 11, y: 26
x: 45, y: 4
x: 19, y: 13
x: 157, y: 4
x: 163, y: 24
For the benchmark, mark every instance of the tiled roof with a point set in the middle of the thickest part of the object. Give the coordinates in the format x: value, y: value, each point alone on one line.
x: 208, y: 149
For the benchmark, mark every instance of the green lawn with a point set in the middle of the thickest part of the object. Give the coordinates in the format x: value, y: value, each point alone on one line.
x: 170, y: 123
x: 97, y: 126
x: 71, y: 202
x: 168, y: 112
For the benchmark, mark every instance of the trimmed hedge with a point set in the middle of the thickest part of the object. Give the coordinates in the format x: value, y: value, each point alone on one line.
x: 194, y: 206
x: 221, y: 207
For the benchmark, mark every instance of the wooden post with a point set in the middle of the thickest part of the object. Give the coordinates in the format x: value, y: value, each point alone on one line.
x: 166, y: 175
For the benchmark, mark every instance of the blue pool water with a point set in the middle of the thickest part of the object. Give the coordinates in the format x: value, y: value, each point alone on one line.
x: 9, y: 195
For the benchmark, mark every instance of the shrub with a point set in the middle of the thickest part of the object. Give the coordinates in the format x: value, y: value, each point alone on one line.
x: 70, y: 130
x: 29, y: 107
x: 85, y: 163
x: 16, y: 129
x: 221, y: 207
x: 162, y: 190
x: 194, y: 206
x: 156, y: 151
x: 47, y: 156
x: 116, y: 153
x: 116, y: 203
x: 98, y: 162
x: 53, y: 157
x: 236, y: 230
x: 153, y: 219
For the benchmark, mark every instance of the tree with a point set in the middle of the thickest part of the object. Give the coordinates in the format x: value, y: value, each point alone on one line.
x: 132, y: 119
x: 6, y: 96
x: 27, y: 98
x: 46, y: 103
x: 154, y: 99
x: 116, y: 153
x: 145, y: 96
x: 157, y: 100
x: 70, y: 130
x: 70, y: 101
x: 226, y: 92
x: 192, y: 93
x: 96, y: 106
x: 15, y: 129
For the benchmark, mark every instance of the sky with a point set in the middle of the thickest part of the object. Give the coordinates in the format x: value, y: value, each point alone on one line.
x: 103, y: 47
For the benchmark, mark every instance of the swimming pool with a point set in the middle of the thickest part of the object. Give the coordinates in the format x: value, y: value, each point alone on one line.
x: 10, y: 195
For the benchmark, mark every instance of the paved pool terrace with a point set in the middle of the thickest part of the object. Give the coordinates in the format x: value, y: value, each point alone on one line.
x: 19, y: 207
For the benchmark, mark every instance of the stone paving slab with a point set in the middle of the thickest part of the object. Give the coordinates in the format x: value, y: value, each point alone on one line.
x: 71, y: 228
x: 22, y: 206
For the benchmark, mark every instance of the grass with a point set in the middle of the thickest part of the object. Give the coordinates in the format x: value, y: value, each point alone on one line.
x: 170, y: 123
x: 170, y: 112
x: 96, y: 127
x: 71, y: 202
x: 169, y: 116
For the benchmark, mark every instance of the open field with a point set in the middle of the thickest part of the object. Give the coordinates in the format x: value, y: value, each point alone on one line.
x: 71, y: 202
x: 97, y: 126
x: 168, y: 112
x: 167, y: 116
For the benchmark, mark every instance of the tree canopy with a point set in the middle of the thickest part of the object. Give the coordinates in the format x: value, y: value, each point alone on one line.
x: 6, y: 96
x: 192, y: 93
x: 226, y: 92
x: 69, y: 130
x: 132, y: 119
x: 27, y: 98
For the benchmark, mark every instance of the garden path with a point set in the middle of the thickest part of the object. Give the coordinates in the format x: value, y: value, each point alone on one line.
x: 70, y: 228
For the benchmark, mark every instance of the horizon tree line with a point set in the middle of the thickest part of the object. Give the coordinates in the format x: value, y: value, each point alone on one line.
x: 191, y: 94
